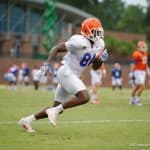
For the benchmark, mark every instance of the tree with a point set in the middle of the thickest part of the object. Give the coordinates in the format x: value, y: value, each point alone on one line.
x: 114, y: 15
x: 112, y: 12
x: 132, y: 19
x: 82, y: 4
x: 49, y: 28
x: 147, y: 16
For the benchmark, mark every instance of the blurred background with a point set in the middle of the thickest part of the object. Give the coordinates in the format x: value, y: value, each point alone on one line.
x: 30, y: 28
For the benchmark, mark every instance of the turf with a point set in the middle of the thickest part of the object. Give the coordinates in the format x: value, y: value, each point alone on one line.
x: 111, y: 125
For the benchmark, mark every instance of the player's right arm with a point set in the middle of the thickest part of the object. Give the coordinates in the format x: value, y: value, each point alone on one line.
x: 73, y: 44
x: 60, y: 48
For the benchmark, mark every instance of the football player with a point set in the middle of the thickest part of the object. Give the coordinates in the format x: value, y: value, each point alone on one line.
x: 11, y: 77
x: 35, y: 77
x: 131, y: 76
x: 96, y: 82
x: 81, y: 51
x: 140, y: 67
x: 116, y: 76
x: 54, y: 74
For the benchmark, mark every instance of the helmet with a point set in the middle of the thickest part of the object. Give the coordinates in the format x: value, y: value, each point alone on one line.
x: 92, y: 29
x: 142, y: 46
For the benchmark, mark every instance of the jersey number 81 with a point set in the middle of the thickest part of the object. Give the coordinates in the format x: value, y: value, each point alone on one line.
x: 87, y: 59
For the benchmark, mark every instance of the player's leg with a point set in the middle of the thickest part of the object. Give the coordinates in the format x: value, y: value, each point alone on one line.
x: 80, y: 98
x: 120, y: 87
x: 140, y: 90
x: 26, y: 122
x: 95, y: 84
x: 42, y: 114
x: 140, y: 85
x: 60, y: 95
x: 113, y: 84
x: 134, y: 90
x: 141, y: 82
x: 70, y: 85
x: 138, y: 94
x: 120, y: 84
x: 14, y: 82
x: 36, y: 84
x: 94, y: 95
x: 73, y: 85
x: 133, y: 94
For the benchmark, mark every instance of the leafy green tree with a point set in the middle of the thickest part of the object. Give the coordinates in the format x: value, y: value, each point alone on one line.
x: 82, y: 4
x: 132, y: 20
x: 147, y: 21
x: 112, y: 12
x: 114, y: 15
x: 147, y: 16
x: 119, y: 47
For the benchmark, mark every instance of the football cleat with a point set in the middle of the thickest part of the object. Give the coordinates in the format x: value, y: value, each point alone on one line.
x: 96, y: 101
x: 26, y: 125
x: 132, y: 101
x: 51, y: 116
x: 138, y: 103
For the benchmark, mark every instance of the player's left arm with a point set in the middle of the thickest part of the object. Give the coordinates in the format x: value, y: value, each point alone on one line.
x: 97, y: 63
x: 99, y: 60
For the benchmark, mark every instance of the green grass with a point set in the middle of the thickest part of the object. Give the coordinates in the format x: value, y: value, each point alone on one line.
x: 111, y: 135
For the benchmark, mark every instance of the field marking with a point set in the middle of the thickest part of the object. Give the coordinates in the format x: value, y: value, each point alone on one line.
x: 81, y: 122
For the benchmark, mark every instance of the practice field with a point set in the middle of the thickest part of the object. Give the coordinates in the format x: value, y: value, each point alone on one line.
x: 111, y: 125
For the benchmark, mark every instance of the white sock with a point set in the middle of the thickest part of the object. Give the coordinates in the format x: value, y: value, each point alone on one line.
x: 137, y: 99
x: 58, y: 109
x: 133, y: 97
x: 94, y: 97
x: 30, y: 118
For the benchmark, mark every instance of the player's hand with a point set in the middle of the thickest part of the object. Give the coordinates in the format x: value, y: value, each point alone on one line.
x: 105, y: 56
x: 46, y: 69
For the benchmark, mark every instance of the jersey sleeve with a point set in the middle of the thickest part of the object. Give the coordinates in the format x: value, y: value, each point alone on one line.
x: 135, y: 56
x: 73, y: 44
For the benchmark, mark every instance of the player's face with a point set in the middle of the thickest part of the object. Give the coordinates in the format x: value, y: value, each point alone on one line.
x: 97, y: 34
x: 143, y: 48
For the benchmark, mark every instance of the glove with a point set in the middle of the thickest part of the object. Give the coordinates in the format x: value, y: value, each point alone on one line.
x: 46, y: 69
x: 104, y: 56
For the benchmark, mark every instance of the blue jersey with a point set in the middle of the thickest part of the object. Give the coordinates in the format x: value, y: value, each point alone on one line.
x: 116, y: 73
x: 26, y: 71
x: 14, y: 71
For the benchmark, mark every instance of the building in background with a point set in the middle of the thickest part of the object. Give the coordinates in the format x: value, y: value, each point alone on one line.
x: 21, y: 25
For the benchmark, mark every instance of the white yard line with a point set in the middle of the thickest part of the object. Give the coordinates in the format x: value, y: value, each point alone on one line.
x: 81, y: 122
